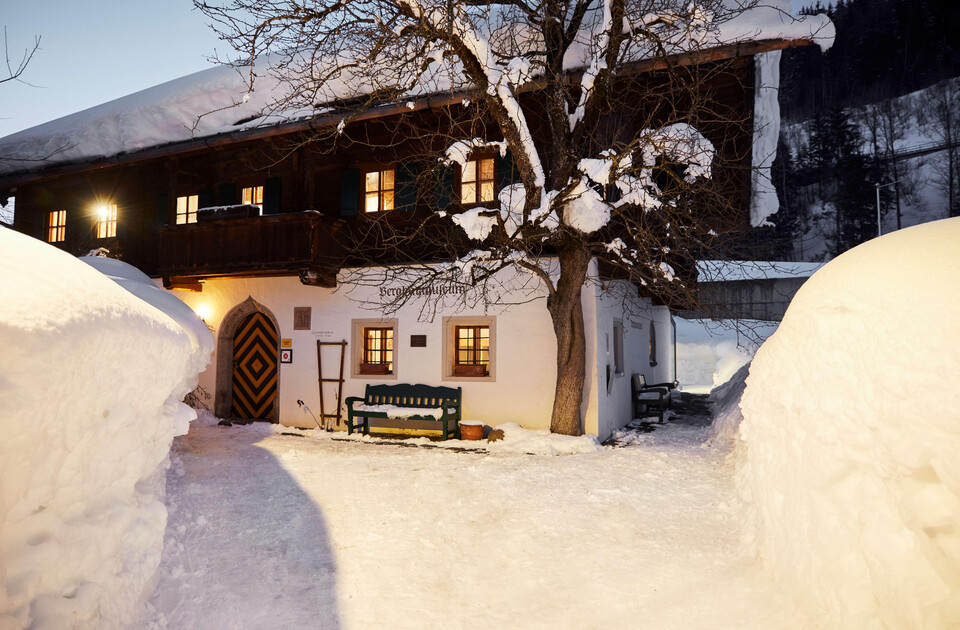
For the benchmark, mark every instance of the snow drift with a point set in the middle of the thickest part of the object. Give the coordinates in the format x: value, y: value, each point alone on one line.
x: 852, y: 431
x: 709, y: 353
x: 91, y: 376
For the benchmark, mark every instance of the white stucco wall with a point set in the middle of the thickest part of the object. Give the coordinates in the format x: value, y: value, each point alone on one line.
x: 525, y: 347
x: 525, y: 350
x: 614, y: 406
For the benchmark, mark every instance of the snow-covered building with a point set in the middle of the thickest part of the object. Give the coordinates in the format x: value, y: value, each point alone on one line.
x: 233, y: 210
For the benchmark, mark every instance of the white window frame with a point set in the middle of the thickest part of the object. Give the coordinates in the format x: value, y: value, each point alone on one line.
x: 189, y: 204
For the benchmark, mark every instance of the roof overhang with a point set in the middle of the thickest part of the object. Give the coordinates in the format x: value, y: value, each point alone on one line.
x: 39, y: 173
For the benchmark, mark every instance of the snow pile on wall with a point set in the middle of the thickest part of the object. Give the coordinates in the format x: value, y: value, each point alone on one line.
x: 766, y: 133
x: 90, y: 383
x: 726, y: 408
x: 852, y: 430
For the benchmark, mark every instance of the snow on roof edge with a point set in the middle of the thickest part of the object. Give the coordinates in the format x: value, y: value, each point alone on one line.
x: 166, y: 115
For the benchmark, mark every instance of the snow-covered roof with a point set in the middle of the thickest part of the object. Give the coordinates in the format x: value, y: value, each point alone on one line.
x: 733, y: 270
x: 217, y: 101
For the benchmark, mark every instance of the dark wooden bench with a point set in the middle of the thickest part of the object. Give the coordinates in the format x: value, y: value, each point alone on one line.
x: 404, y: 402
x: 654, y: 398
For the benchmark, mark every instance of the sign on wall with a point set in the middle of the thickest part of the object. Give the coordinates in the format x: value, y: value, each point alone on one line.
x: 286, y: 355
x: 301, y: 318
x: 286, y: 343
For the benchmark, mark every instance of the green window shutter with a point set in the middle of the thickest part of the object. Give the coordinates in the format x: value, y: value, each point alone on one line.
x: 228, y: 194
x: 163, y: 212
x: 405, y: 184
x: 205, y: 198
x: 443, y: 192
x: 506, y: 171
x: 349, y: 192
x: 271, y: 196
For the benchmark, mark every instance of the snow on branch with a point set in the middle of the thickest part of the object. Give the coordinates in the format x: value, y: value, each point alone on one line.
x: 460, y: 151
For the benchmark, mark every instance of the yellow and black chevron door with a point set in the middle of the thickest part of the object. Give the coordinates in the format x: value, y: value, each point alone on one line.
x: 255, y: 368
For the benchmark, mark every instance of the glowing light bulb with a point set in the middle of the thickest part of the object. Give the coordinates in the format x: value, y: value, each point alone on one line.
x: 103, y: 212
x: 202, y: 311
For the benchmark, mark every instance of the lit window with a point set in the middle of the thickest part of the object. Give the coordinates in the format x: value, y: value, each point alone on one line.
x: 252, y: 196
x: 57, y: 226
x: 472, y: 356
x: 107, y: 221
x: 373, y: 351
x: 477, y: 181
x: 377, y: 351
x: 187, y: 209
x: 470, y: 348
x: 379, y: 191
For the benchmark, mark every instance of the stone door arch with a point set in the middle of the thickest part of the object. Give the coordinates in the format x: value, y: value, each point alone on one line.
x: 248, y: 341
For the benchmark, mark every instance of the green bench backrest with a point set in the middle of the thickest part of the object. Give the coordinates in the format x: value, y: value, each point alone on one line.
x: 424, y: 396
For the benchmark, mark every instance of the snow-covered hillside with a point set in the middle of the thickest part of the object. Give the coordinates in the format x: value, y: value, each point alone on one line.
x: 921, y: 178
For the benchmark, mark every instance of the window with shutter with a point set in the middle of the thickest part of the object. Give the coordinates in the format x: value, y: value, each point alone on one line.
x: 477, y: 182
x: 379, y: 190
x: 187, y: 209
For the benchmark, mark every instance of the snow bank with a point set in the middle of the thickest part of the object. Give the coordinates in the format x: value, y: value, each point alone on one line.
x: 726, y: 408
x: 90, y: 383
x: 709, y: 353
x: 852, y: 430
x: 516, y: 439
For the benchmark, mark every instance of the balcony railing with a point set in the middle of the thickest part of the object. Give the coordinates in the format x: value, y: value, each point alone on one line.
x: 274, y: 244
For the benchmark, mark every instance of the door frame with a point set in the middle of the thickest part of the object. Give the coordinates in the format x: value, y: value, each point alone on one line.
x: 223, y: 396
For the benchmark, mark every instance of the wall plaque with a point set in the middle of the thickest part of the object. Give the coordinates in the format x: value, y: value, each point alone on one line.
x: 286, y: 355
x: 286, y: 343
x: 418, y: 341
x: 301, y: 318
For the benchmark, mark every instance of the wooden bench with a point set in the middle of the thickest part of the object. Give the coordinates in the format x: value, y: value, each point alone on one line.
x: 406, y: 402
x: 654, y: 398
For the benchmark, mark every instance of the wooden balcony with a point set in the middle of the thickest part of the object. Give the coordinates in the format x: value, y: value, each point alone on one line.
x: 297, y: 243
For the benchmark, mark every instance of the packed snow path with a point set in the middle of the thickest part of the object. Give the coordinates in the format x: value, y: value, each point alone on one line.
x: 275, y: 531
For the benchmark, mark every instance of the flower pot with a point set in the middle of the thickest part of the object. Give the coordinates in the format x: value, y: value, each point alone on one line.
x: 471, y: 430
x: 469, y: 370
x: 375, y: 368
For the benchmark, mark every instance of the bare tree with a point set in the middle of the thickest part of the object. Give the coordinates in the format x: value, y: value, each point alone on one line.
x: 941, y: 119
x: 15, y: 69
x: 886, y: 123
x: 602, y: 108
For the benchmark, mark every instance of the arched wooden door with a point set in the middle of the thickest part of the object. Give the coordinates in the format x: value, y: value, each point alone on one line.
x: 255, y: 368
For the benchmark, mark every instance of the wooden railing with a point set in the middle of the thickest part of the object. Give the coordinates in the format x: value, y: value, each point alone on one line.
x: 266, y: 245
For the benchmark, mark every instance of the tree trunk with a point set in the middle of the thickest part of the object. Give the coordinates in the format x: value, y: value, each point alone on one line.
x: 566, y: 311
